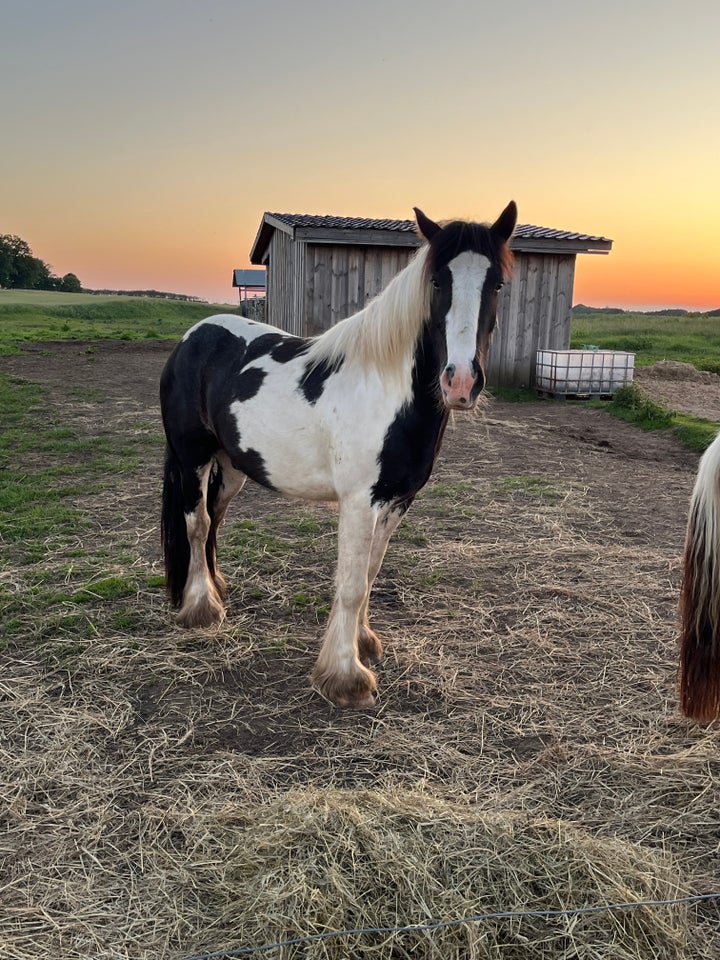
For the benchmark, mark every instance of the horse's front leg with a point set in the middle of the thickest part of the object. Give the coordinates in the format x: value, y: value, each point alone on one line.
x: 339, y: 675
x: 369, y: 645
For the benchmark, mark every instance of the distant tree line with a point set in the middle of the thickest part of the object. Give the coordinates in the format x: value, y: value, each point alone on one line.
x: 19, y: 269
x: 157, y: 294
x: 581, y: 310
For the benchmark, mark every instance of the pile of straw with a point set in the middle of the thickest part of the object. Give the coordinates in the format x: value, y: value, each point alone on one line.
x: 314, y: 861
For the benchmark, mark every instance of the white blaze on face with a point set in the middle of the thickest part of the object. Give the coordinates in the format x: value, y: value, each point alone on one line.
x: 468, y: 277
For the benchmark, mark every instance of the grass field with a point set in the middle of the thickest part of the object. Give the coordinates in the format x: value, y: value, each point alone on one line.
x: 35, y: 315
x: 41, y: 316
x: 694, y: 338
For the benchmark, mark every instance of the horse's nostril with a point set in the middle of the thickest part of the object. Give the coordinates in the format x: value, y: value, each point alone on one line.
x: 450, y: 373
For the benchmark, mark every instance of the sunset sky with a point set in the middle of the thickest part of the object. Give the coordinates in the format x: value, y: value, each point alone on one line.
x: 141, y: 141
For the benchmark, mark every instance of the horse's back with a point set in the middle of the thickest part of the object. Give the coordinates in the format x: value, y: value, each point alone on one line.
x: 216, y: 349
x: 241, y: 327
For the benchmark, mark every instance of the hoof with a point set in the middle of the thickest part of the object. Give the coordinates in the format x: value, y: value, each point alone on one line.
x: 370, y: 648
x: 356, y: 692
x: 207, y: 612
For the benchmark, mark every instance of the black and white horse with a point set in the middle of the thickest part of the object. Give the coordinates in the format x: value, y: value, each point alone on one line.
x: 355, y: 416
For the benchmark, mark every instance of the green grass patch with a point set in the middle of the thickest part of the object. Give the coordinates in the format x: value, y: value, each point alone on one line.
x: 629, y: 403
x: 693, y: 432
x: 529, y: 486
x: 444, y: 490
x: 514, y: 394
x: 43, y: 316
x: 109, y: 588
x: 691, y: 338
x: 633, y: 406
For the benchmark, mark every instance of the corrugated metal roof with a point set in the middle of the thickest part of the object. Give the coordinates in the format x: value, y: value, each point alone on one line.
x: 343, y: 223
x: 321, y: 229
x: 526, y: 231
x: 248, y: 278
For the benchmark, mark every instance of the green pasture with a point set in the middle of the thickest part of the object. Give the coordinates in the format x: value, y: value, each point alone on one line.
x: 41, y: 316
x: 692, y: 338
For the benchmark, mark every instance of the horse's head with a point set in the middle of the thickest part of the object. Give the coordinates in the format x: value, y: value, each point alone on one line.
x: 466, y: 265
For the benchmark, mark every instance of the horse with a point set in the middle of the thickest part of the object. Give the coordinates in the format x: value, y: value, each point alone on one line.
x: 354, y: 416
x: 699, y: 668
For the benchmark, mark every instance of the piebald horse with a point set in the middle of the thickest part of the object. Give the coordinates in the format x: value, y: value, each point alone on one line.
x: 355, y: 415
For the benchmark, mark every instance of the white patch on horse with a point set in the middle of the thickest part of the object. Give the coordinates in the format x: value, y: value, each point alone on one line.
x: 319, y: 451
x: 468, y: 272
x: 238, y: 326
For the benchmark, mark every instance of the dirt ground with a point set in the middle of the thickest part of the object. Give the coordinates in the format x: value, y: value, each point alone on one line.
x: 683, y: 388
x: 528, y: 605
x: 614, y: 483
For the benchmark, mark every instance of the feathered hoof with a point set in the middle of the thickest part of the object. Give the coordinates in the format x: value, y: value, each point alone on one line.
x: 220, y: 584
x: 208, y: 611
x: 370, y: 648
x: 357, y: 691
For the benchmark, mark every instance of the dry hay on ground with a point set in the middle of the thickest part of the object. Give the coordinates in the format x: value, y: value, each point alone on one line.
x: 318, y: 861
x: 528, y: 604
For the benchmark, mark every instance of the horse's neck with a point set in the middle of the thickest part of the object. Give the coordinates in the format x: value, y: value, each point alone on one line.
x: 425, y: 384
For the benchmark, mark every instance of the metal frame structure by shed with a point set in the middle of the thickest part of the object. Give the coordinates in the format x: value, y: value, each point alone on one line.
x: 321, y: 269
x: 249, y: 282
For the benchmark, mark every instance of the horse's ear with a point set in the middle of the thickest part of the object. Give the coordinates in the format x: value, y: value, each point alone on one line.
x: 505, y: 223
x: 427, y: 228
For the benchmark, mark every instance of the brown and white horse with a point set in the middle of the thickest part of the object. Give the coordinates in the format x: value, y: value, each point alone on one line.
x: 355, y: 415
x: 699, y: 673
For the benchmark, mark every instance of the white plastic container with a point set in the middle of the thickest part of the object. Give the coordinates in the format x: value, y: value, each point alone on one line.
x: 583, y: 373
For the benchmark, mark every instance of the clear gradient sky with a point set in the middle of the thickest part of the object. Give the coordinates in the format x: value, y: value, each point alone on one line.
x: 141, y: 140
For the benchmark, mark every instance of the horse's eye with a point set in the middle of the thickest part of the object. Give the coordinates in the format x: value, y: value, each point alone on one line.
x: 435, y: 283
x: 499, y: 286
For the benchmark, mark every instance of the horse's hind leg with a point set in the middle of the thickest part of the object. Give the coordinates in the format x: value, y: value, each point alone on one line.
x: 369, y: 645
x: 201, y: 602
x: 224, y: 483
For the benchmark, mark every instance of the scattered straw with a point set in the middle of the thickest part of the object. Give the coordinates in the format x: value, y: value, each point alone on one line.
x: 165, y: 793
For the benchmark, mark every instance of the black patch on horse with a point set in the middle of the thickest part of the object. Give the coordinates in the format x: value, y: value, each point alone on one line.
x: 412, y: 440
x: 262, y: 346
x: 312, y: 382
x: 248, y: 383
x: 252, y: 464
x: 288, y: 349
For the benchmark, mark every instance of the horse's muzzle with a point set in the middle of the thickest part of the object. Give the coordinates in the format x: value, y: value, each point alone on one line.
x: 461, y: 386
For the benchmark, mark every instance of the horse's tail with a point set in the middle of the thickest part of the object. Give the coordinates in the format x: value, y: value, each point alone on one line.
x: 699, y: 671
x: 173, y: 531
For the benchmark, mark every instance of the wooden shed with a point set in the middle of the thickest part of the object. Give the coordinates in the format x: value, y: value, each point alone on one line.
x: 321, y: 269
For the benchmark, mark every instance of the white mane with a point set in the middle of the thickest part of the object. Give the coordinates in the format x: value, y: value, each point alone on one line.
x: 381, y: 335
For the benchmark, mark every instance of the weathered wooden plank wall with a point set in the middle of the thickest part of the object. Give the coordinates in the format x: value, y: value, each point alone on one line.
x: 280, y: 281
x: 534, y: 313
x: 340, y: 280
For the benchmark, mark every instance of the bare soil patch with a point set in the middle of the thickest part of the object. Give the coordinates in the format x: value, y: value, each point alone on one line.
x: 682, y: 387
x: 528, y: 609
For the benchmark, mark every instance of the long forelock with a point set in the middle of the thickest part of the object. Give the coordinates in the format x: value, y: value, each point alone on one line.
x: 459, y: 236
x: 384, y: 333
